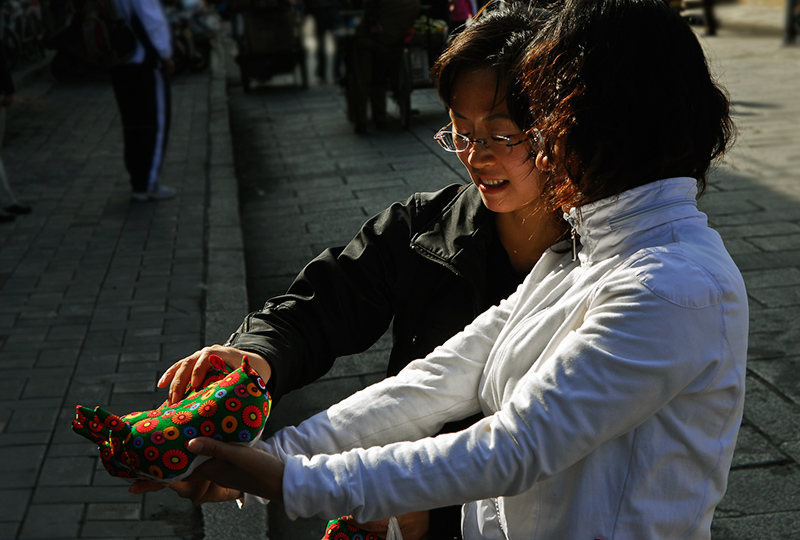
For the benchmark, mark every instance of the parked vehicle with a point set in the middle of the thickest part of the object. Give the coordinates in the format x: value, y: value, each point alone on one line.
x: 21, y: 31
x: 194, y: 29
x: 269, y: 39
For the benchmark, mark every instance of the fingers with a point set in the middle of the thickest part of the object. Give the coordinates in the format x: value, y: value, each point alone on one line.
x: 238, y: 467
x: 204, y: 446
x: 171, y: 371
x: 178, y: 377
x: 167, y: 376
x: 190, y: 370
x: 194, y: 368
x: 229, y: 355
x: 197, y: 492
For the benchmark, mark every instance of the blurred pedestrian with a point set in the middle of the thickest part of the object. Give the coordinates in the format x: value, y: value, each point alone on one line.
x: 374, y: 55
x: 327, y: 19
x: 461, y: 11
x: 10, y: 207
x: 709, y: 20
x: 141, y: 87
x: 792, y: 21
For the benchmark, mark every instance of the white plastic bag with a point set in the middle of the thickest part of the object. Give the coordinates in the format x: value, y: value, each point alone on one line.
x: 393, y: 533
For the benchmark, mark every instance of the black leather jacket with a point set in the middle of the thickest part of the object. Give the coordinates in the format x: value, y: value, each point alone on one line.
x: 430, y: 264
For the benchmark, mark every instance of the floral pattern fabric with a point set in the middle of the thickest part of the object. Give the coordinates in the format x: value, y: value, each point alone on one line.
x: 344, y: 529
x: 230, y: 406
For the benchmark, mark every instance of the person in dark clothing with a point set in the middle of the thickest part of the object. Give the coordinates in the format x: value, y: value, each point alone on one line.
x: 709, y: 20
x: 428, y: 265
x: 141, y: 88
x: 10, y: 207
x: 327, y: 19
x: 372, y: 55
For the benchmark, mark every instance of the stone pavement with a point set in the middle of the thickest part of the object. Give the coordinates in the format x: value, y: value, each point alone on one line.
x: 99, y: 295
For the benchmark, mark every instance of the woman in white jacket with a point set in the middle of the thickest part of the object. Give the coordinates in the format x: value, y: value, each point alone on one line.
x: 612, y: 385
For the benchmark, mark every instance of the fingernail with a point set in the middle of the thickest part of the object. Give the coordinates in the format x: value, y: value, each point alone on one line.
x: 196, y: 445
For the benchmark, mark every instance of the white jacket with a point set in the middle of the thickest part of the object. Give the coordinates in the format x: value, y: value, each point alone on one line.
x: 612, y: 387
x: 150, y: 14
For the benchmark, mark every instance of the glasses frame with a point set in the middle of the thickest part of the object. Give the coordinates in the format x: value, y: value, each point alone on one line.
x: 447, y: 132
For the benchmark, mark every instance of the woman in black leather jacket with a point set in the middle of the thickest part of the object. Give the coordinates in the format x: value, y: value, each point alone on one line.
x: 428, y: 265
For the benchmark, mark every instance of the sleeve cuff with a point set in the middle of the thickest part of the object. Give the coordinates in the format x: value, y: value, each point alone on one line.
x: 248, y: 499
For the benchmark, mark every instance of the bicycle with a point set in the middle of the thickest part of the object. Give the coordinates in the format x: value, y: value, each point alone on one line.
x: 22, y: 31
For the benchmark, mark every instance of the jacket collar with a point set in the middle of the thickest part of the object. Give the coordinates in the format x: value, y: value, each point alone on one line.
x: 460, y: 235
x: 614, y: 225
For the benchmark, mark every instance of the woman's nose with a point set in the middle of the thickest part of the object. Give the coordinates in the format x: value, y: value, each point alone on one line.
x: 478, y: 154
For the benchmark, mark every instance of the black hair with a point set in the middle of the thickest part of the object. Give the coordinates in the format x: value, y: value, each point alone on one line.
x: 624, y: 88
x: 497, y: 40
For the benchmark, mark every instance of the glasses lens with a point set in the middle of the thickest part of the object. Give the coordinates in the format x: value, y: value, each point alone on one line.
x: 498, y: 145
x: 451, y: 141
x: 460, y: 142
x: 445, y: 140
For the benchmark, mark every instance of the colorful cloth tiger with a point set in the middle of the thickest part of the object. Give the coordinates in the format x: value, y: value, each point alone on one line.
x: 344, y: 529
x: 230, y: 406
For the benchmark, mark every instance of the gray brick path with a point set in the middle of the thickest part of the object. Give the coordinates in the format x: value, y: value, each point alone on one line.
x: 755, y: 205
x: 98, y: 295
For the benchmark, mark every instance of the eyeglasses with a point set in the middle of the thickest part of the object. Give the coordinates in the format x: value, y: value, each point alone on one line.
x: 499, y: 145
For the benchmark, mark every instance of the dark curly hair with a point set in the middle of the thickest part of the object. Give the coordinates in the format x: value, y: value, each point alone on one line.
x: 622, y: 93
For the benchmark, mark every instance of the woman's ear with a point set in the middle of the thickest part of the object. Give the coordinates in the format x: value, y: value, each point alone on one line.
x: 543, y: 162
x: 547, y: 162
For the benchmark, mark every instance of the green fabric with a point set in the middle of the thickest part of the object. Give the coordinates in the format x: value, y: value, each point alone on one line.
x: 230, y: 406
x: 343, y: 529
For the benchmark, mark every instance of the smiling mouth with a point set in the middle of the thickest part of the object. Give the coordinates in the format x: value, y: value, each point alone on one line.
x: 492, y: 183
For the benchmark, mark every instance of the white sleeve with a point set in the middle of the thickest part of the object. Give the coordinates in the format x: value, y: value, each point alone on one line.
x: 416, y: 403
x: 403, y: 407
x: 154, y: 21
x: 634, y: 354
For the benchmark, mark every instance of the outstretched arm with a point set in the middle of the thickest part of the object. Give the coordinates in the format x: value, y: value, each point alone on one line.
x: 340, y: 304
x: 232, y: 470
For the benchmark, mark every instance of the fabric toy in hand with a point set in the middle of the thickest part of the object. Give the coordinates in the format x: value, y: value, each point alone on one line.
x: 230, y: 406
x: 345, y: 528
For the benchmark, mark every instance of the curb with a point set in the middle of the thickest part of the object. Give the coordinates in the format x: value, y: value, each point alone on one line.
x: 754, y: 19
x: 226, y: 294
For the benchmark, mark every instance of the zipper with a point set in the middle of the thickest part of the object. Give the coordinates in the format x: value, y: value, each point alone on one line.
x: 573, y: 234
